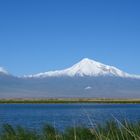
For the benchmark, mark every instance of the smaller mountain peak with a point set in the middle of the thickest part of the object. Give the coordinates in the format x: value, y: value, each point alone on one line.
x: 3, y: 71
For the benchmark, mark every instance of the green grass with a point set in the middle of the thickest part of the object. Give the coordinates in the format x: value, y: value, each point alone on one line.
x: 112, y: 130
x: 71, y: 100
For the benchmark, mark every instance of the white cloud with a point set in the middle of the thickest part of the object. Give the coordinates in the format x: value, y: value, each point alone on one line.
x: 88, y: 88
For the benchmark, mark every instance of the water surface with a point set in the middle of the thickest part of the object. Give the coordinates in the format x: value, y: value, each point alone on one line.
x: 33, y: 116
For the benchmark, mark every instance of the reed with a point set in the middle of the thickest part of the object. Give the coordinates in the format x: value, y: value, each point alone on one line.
x: 111, y: 130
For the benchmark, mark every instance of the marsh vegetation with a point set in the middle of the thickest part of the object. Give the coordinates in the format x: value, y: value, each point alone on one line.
x: 71, y: 100
x: 111, y: 130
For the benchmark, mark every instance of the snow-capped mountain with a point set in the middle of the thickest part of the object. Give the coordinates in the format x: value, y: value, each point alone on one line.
x: 85, y: 67
x: 87, y: 78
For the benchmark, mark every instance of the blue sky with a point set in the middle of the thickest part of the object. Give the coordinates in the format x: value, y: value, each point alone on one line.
x: 42, y: 35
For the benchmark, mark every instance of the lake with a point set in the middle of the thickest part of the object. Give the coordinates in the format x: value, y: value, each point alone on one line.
x: 33, y: 116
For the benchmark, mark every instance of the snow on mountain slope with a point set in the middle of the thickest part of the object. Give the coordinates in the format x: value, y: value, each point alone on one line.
x: 3, y: 71
x: 85, y: 67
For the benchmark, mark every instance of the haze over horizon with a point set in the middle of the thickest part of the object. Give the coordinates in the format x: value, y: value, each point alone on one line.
x: 38, y: 36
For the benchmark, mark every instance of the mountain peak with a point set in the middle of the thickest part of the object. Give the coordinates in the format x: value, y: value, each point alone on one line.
x: 89, y: 67
x: 86, y: 67
x: 88, y: 61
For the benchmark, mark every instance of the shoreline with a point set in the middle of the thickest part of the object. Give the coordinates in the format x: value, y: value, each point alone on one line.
x: 67, y: 100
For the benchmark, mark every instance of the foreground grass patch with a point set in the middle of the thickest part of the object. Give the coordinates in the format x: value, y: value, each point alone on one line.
x: 112, y: 130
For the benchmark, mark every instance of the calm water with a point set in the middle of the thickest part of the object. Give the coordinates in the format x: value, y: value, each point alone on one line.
x: 62, y: 115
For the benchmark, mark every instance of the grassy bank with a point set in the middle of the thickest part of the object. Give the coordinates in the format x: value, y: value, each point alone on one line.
x: 112, y: 130
x: 71, y: 100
